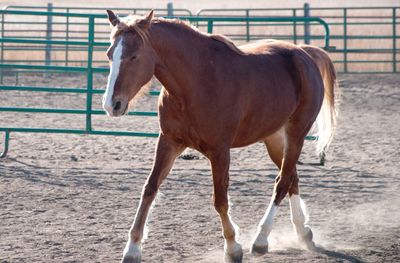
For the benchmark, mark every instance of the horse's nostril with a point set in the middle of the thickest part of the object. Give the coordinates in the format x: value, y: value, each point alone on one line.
x: 117, y: 106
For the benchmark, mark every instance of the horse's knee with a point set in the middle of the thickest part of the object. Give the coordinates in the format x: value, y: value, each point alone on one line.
x: 221, y: 207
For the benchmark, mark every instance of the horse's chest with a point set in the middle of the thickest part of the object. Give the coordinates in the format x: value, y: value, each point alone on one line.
x: 176, y: 122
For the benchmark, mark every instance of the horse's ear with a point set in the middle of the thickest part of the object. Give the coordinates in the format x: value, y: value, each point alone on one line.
x: 150, y: 15
x: 112, y: 18
x: 145, y: 22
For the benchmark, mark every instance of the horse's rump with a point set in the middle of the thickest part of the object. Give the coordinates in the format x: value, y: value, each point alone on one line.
x: 298, y: 64
x: 284, y: 82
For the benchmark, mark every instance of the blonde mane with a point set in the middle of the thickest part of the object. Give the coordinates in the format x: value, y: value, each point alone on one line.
x: 131, y: 23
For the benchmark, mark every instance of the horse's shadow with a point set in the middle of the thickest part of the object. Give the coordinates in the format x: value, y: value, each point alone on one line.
x: 337, y: 255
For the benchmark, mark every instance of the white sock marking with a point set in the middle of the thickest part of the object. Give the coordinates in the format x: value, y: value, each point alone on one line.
x: 298, y: 214
x: 132, y: 250
x: 268, y: 219
x: 265, y: 226
x: 112, y: 77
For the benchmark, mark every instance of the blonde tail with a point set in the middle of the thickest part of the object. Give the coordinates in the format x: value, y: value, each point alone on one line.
x: 326, y: 120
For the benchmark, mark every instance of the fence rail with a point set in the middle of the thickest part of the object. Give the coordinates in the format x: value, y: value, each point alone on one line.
x: 366, y: 38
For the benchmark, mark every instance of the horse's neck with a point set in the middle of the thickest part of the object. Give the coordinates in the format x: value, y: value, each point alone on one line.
x: 178, y: 52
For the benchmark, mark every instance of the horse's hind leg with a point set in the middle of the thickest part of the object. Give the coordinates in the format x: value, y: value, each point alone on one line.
x: 286, y: 182
x: 275, y: 147
x: 275, y: 144
x: 166, y: 153
x: 220, y: 171
x: 297, y: 207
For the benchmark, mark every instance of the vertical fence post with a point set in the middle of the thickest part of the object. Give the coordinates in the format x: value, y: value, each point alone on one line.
x: 2, y: 47
x: 48, y: 34
x: 294, y: 28
x: 89, y: 84
x: 6, y: 142
x: 210, y: 26
x: 67, y: 38
x: 170, y: 9
x: 345, y: 40
x: 394, y: 40
x: 307, y: 32
x: 247, y: 25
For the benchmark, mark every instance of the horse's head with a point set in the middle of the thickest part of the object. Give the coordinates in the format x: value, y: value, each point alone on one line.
x: 132, y: 61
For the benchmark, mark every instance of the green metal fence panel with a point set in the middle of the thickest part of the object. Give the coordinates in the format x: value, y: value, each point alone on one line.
x: 366, y: 38
x: 64, y: 29
x: 90, y: 44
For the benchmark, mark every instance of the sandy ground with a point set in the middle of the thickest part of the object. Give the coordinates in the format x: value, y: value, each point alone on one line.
x: 70, y: 198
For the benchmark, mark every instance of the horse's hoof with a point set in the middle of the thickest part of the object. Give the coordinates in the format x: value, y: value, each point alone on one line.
x: 311, y: 246
x: 234, y: 258
x: 307, y: 239
x: 259, y: 249
x: 233, y: 252
x: 131, y: 260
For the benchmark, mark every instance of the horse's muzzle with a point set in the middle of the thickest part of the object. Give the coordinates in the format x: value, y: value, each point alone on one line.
x: 117, y: 108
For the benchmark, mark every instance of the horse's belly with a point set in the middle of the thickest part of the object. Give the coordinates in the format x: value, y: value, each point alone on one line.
x: 252, y: 135
x: 265, y: 118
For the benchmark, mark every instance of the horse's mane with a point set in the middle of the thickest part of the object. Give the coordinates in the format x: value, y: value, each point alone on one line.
x: 130, y: 23
x: 186, y: 25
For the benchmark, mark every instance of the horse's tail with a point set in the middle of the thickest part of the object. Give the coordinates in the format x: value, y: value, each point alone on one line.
x: 326, y: 120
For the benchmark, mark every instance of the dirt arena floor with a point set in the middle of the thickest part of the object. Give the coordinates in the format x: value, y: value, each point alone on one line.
x: 72, y: 198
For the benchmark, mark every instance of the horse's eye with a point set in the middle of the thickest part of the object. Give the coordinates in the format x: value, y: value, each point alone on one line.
x: 132, y: 58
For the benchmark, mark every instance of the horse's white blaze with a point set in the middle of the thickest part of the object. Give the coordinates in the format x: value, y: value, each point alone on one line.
x: 265, y: 226
x: 298, y: 214
x: 112, y: 78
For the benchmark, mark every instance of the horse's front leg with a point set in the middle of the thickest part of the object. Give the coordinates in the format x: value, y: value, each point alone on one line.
x: 166, y: 153
x: 220, y: 171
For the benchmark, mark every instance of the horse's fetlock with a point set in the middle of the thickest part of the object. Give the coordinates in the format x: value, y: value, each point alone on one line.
x: 135, y: 237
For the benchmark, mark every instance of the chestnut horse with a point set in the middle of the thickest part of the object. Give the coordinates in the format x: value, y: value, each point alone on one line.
x: 217, y: 96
